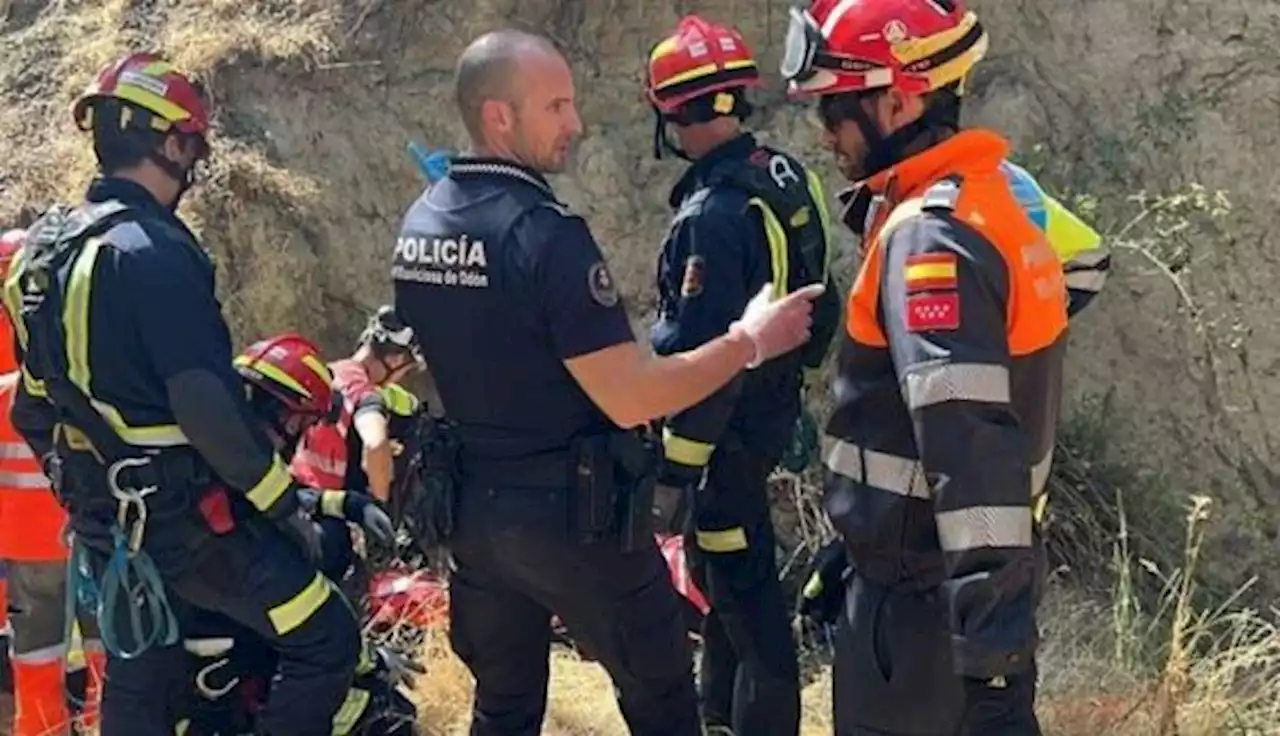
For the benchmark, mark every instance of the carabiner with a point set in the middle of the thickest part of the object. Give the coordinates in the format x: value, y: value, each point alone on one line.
x: 130, y: 498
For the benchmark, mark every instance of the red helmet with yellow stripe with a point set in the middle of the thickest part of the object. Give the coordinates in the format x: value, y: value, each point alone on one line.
x: 288, y: 367
x: 916, y: 46
x: 157, y: 96
x: 699, y: 58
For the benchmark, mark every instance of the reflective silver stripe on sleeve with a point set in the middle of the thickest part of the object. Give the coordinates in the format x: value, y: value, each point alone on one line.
x: 937, y: 383
x: 1086, y: 280
x: 984, y: 526
x: 881, y: 470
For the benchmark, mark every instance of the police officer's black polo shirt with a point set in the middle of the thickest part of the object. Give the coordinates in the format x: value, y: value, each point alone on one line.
x: 502, y: 283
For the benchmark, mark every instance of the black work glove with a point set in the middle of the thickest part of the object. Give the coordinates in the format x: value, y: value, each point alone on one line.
x: 357, y: 508
x: 822, y: 597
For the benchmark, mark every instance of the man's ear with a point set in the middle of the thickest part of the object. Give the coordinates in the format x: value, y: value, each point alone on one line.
x: 173, y: 148
x: 898, y: 108
x: 498, y: 115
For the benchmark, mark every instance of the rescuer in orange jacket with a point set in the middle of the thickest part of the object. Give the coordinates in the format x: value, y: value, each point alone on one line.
x: 32, y: 548
x: 948, y: 380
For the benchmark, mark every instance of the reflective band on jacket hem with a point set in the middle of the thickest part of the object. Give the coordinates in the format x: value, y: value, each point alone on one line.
x: 881, y: 470
x: 984, y: 526
x: 905, y: 477
x: 936, y: 383
x: 294, y: 612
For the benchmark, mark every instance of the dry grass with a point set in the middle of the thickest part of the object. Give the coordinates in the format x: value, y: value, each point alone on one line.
x: 1110, y: 664
x: 580, y: 703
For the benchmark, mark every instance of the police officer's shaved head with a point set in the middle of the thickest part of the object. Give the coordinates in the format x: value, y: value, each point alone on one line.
x: 535, y: 121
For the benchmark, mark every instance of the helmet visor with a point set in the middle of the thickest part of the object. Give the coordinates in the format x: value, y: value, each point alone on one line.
x: 804, y: 40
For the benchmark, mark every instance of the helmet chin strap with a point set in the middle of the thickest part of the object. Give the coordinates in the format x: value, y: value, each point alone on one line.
x: 884, y: 151
x: 661, y: 141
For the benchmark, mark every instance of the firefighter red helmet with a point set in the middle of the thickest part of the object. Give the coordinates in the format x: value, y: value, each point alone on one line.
x: 916, y: 46
x: 699, y: 58
x: 169, y: 99
x: 289, y: 367
x: 10, y: 243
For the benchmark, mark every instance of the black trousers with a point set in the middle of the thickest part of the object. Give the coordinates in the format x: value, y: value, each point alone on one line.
x: 893, y: 673
x: 749, y: 675
x: 256, y: 577
x: 515, y: 565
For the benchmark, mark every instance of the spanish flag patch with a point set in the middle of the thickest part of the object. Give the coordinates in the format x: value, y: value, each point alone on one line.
x: 929, y: 271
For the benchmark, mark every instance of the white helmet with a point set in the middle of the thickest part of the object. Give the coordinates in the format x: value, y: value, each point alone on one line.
x: 386, y: 328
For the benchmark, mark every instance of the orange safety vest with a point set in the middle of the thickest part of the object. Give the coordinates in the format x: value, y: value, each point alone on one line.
x: 31, y: 521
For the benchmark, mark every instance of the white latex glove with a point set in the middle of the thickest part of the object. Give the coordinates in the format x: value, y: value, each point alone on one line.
x: 777, y: 327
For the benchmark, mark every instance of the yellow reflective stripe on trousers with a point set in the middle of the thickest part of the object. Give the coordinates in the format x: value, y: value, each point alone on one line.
x: 75, y: 323
x: 723, y: 540
x: 294, y: 612
x: 331, y: 503
x: 274, y: 483
x: 685, y: 451
x: 344, y: 721
x: 780, y: 264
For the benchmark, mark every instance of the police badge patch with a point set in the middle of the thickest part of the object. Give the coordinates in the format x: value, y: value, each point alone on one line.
x: 603, y: 290
x: 694, y: 267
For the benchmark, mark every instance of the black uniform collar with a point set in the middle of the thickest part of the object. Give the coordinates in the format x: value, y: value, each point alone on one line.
x: 492, y: 166
x: 128, y: 192
x: 136, y: 196
x: 734, y: 148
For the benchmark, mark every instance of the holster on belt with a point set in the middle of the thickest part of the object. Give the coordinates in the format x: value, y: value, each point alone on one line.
x: 613, y: 488
x: 433, y: 512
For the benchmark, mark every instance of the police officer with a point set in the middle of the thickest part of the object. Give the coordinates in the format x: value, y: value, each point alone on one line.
x: 129, y: 396
x: 949, y: 380
x: 531, y: 350
x: 746, y: 215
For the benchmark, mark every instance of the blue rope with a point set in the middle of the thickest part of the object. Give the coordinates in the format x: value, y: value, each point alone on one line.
x: 135, y: 576
x: 433, y: 164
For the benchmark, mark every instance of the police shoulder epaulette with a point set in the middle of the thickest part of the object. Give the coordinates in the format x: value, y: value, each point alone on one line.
x: 558, y: 207
x: 941, y: 195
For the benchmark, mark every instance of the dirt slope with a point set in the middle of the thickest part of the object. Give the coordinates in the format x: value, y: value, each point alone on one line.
x: 318, y: 99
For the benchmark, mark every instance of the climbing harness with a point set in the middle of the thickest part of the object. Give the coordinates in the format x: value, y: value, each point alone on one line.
x: 56, y: 241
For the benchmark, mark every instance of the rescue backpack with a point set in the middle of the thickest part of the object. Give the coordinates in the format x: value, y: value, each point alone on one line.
x: 797, y: 225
